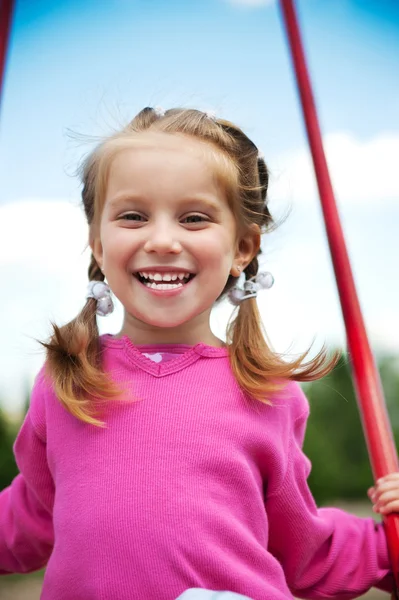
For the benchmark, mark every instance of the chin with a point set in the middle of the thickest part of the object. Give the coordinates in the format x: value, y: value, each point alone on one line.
x: 164, y: 321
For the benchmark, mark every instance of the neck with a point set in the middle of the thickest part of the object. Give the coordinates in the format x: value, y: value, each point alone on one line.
x: 194, y: 332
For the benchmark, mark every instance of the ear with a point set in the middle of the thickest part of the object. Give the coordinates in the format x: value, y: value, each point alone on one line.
x: 248, y: 246
x: 96, y: 245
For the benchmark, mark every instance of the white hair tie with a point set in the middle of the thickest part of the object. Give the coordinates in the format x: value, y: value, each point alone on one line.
x: 159, y: 111
x: 261, y: 281
x: 211, y: 114
x: 101, y: 292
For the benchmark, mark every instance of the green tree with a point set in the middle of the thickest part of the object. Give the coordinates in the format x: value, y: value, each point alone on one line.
x: 8, y: 468
x: 334, y: 439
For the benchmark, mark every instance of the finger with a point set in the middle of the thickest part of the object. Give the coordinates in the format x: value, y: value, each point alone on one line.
x: 391, y: 507
x: 387, y: 483
x: 388, y: 487
x: 389, y: 477
x: 387, y: 496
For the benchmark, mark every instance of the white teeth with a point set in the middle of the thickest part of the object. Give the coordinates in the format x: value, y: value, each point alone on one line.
x: 164, y: 276
x: 163, y: 286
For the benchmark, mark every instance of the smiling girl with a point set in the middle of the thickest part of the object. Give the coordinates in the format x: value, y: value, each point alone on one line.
x: 162, y: 459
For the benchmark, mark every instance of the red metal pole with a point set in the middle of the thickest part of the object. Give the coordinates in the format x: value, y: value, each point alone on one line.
x: 369, y: 392
x: 6, y: 11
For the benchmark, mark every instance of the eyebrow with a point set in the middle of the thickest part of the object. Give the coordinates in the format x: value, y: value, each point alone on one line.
x: 189, y: 200
x: 124, y: 198
x: 212, y: 204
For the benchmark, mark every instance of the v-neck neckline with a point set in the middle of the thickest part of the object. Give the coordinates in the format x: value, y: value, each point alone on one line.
x: 185, y: 355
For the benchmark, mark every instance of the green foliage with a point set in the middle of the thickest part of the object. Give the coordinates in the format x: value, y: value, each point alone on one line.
x: 334, y: 439
x: 8, y: 468
x: 8, y: 433
x: 389, y: 370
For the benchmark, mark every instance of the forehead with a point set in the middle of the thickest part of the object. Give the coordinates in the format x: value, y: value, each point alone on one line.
x: 149, y: 147
x: 158, y: 151
x: 166, y: 142
x: 151, y: 158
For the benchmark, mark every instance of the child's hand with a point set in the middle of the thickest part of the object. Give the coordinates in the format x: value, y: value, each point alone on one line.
x: 385, y: 494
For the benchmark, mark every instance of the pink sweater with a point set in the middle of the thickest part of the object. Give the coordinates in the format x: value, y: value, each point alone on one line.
x: 191, y: 485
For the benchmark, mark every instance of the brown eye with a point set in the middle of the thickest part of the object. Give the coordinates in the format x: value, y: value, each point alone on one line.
x: 133, y: 217
x: 195, y: 219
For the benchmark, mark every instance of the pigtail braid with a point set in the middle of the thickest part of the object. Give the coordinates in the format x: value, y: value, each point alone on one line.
x: 259, y: 370
x: 263, y: 172
x: 250, y: 355
x: 74, y: 360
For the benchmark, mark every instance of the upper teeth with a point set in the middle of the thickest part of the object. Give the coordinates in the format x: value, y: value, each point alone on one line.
x: 164, y: 276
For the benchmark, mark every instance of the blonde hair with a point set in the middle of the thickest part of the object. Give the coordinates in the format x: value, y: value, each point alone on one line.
x: 73, y: 352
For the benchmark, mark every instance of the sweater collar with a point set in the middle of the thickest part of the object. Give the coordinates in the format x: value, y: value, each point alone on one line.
x: 185, y: 355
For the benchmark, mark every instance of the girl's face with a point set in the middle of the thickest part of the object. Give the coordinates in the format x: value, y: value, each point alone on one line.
x: 167, y: 239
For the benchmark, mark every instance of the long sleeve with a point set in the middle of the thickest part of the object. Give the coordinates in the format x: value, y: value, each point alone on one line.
x: 26, y: 531
x: 325, y: 553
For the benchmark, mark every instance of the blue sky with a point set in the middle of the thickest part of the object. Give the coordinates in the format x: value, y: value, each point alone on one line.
x: 89, y: 67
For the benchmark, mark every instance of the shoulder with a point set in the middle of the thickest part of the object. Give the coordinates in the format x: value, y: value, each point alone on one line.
x: 292, y: 408
x: 285, y: 415
x: 42, y: 392
x: 294, y: 400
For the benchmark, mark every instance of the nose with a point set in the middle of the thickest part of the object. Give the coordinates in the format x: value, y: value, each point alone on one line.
x: 162, y: 239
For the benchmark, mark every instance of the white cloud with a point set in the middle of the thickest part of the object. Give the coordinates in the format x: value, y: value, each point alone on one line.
x: 251, y: 3
x: 362, y: 172
x: 382, y: 330
x: 44, y: 233
x: 43, y: 275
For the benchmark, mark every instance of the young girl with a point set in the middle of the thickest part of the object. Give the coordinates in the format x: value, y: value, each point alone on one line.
x: 162, y: 459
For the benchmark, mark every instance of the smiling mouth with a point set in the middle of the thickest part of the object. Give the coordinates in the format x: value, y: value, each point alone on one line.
x: 164, y: 281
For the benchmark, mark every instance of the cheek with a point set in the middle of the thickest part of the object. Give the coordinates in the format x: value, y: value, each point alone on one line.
x: 218, y: 248
x: 118, y: 244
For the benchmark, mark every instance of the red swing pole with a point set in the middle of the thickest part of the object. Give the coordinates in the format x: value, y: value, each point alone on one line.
x: 6, y: 11
x: 376, y: 425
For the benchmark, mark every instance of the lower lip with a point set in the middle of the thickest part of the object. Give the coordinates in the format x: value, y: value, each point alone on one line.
x: 166, y: 293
